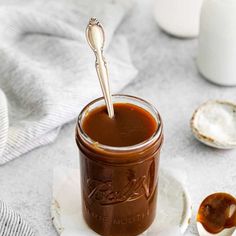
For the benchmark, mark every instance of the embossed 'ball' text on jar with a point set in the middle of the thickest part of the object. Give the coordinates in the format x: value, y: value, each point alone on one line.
x: 119, y: 184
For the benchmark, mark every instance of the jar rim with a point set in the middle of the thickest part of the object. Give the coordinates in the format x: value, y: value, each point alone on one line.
x: 137, y: 146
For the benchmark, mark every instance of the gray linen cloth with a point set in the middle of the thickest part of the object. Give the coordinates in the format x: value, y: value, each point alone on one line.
x: 12, y: 224
x: 47, y: 73
x: 47, y: 69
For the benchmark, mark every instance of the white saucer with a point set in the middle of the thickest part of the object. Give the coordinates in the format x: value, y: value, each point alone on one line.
x: 174, y: 206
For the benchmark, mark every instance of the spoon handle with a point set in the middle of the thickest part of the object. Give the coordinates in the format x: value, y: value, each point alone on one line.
x: 96, y: 37
x: 101, y: 67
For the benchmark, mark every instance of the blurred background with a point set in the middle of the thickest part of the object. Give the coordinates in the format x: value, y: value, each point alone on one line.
x: 143, y: 60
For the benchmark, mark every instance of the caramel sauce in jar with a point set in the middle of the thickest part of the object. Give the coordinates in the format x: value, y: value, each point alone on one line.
x: 217, y: 212
x: 119, y: 160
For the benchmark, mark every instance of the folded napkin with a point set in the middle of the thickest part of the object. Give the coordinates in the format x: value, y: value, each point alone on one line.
x: 47, y: 70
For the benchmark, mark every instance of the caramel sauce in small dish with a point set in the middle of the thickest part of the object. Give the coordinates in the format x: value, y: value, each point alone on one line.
x: 217, y: 215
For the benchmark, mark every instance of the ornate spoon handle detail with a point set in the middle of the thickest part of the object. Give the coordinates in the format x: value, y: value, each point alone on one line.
x: 96, y: 38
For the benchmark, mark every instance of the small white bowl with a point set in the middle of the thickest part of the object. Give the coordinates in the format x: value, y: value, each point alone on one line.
x: 214, y: 124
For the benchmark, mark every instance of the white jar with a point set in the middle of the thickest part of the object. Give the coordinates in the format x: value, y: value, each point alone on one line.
x: 217, y: 41
x: 178, y: 17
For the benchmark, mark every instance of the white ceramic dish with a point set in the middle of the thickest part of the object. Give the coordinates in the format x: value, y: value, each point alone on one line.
x: 174, y: 206
x: 225, y: 232
x: 214, y: 124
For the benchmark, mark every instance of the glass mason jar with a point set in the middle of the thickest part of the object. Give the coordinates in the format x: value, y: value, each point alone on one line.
x: 119, y: 184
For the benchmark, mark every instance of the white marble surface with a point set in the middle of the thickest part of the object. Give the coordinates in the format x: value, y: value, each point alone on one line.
x: 168, y: 78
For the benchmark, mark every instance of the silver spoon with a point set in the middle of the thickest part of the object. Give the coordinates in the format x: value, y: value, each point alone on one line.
x: 96, y: 38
